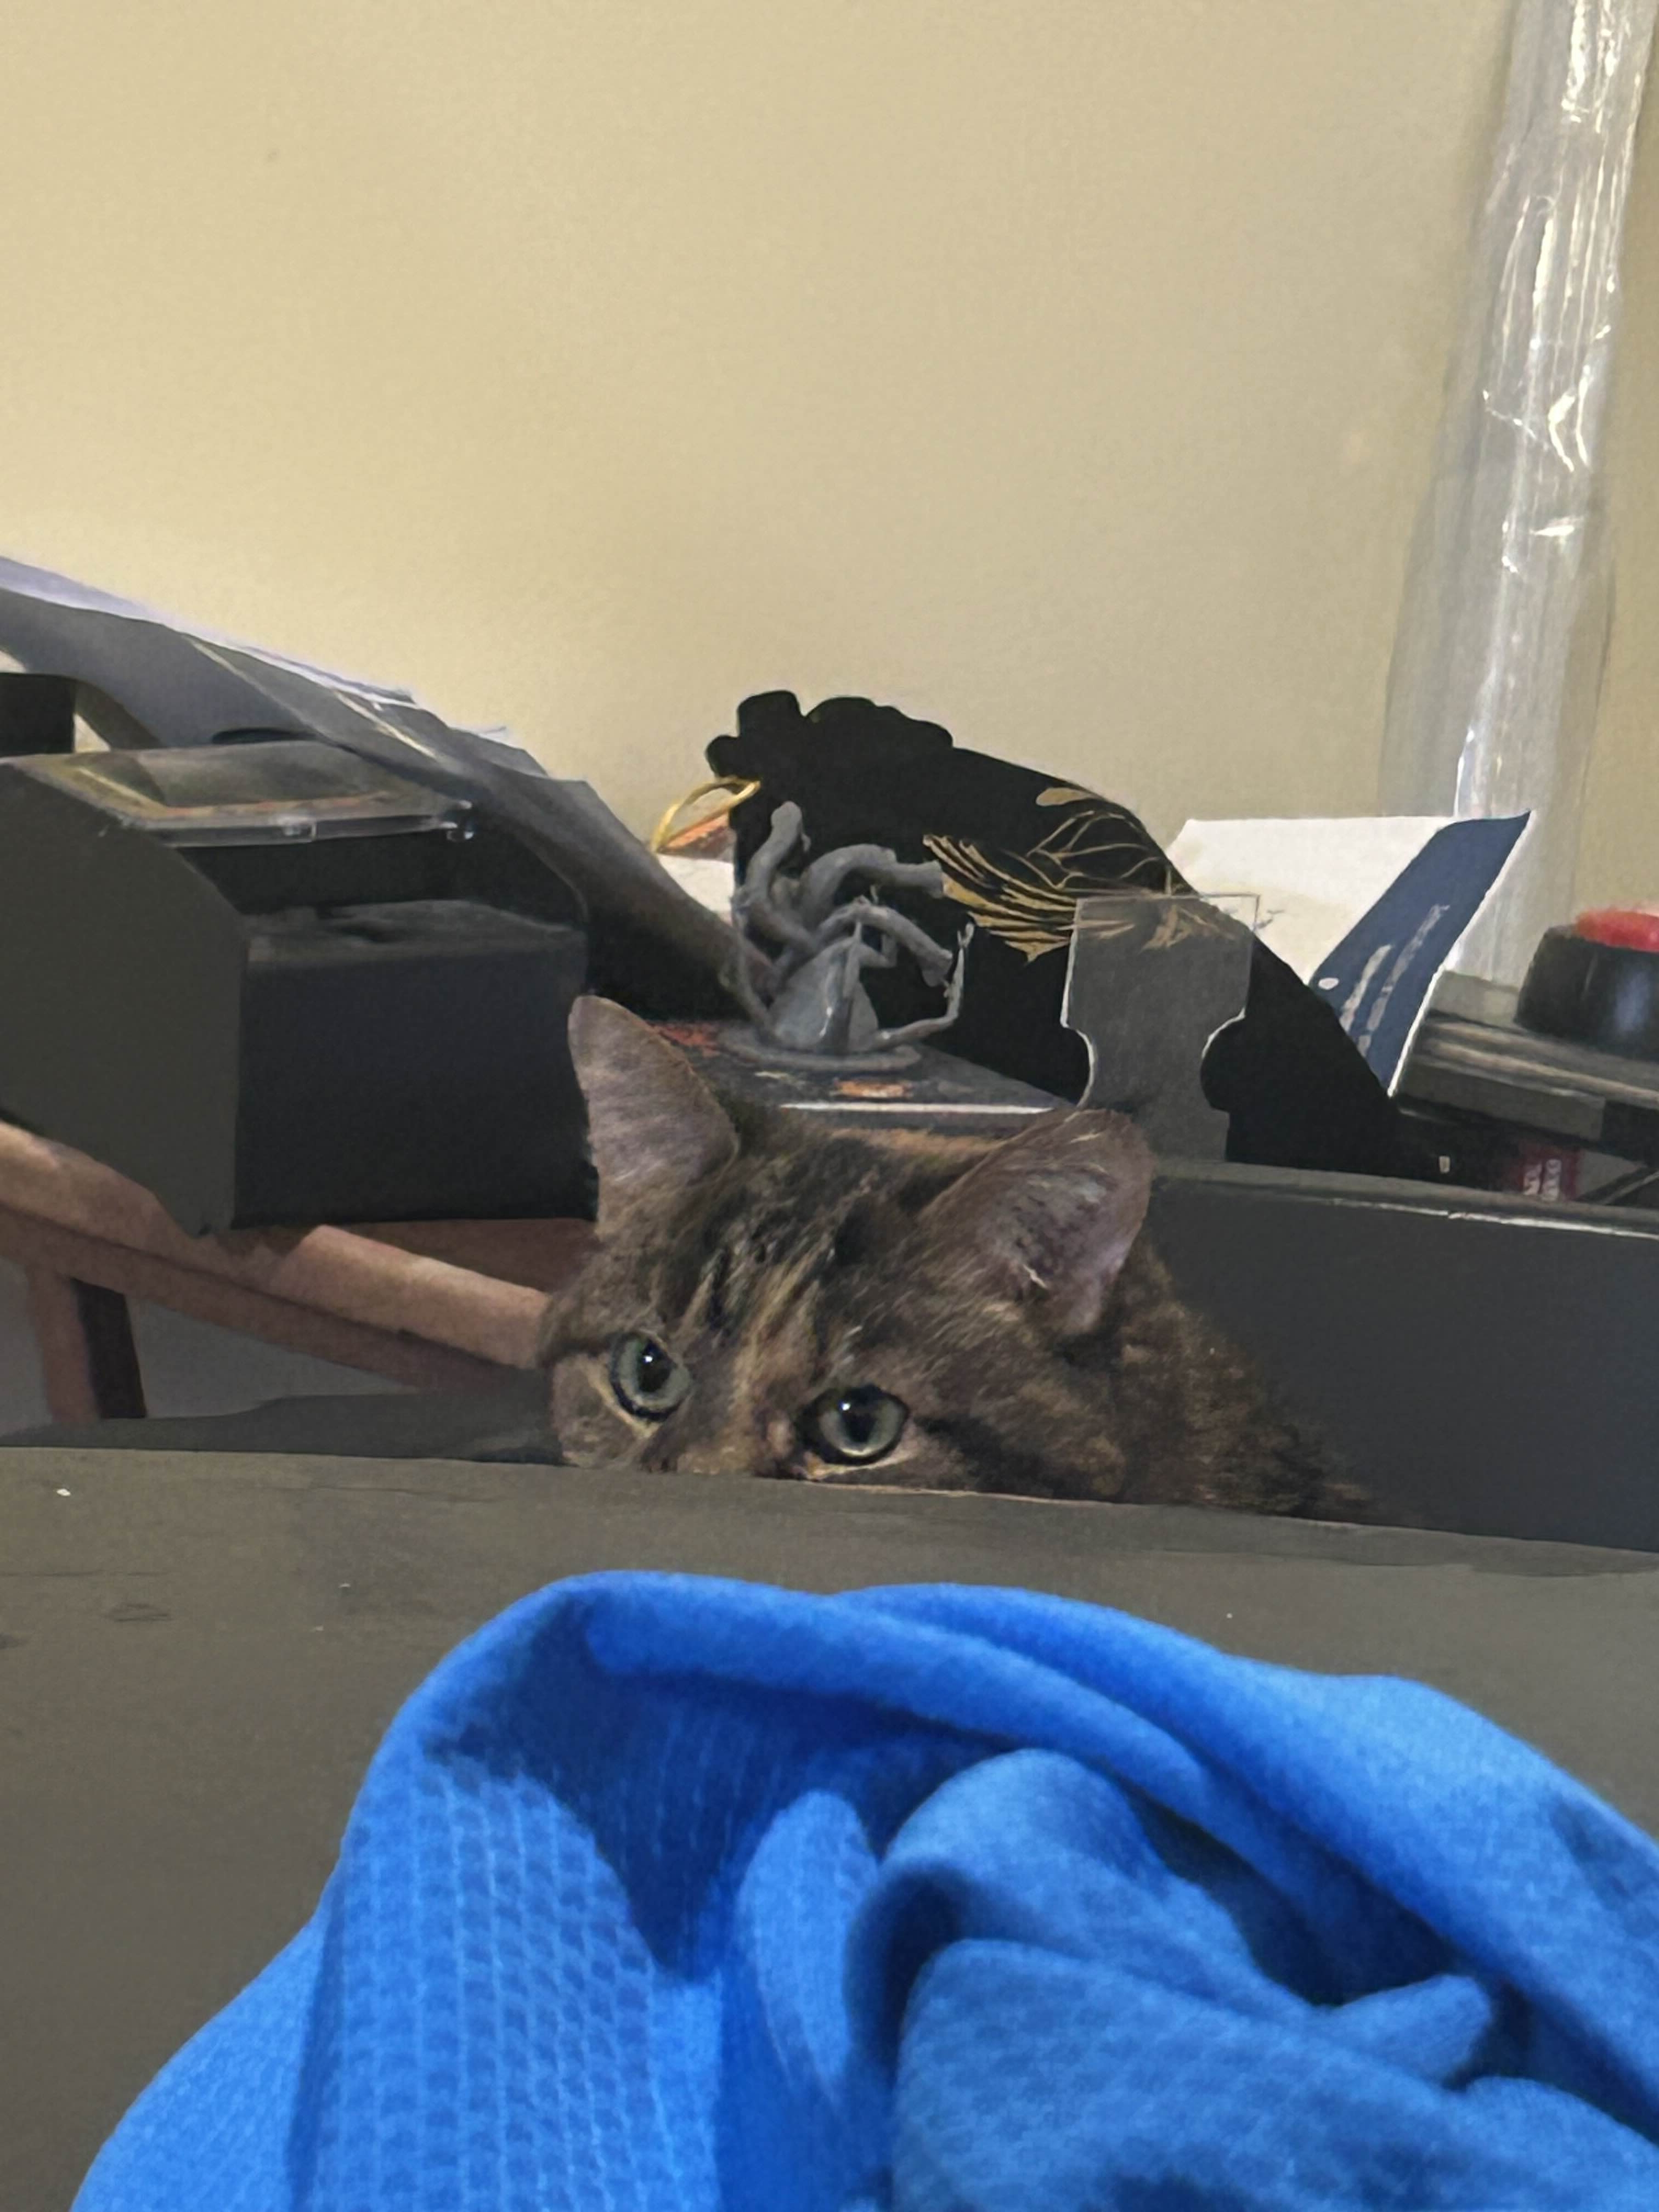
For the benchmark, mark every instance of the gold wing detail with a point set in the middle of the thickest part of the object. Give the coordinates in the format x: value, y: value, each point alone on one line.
x: 1030, y: 899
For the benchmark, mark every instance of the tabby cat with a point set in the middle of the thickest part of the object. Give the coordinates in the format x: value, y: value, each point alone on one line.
x: 768, y: 1299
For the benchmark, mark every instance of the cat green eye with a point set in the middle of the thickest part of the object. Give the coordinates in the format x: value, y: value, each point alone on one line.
x: 855, y: 1426
x: 648, y: 1381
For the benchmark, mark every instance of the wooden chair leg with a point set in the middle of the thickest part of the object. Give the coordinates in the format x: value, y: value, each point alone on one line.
x: 87, y: 1353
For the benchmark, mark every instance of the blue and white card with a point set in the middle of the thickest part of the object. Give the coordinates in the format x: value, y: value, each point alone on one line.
x: 1368, y: 910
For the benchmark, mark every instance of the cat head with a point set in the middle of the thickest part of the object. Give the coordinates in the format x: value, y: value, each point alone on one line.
x: 766, y: 1298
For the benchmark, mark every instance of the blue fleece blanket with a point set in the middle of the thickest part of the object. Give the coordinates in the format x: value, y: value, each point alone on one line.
x: 673, y: 1894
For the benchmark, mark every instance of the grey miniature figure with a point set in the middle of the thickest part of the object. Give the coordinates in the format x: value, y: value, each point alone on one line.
x: 805, y: 957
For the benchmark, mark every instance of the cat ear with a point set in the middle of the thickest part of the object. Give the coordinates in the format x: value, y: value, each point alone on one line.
x: 654, y: 1126
x: 1051, y: 1215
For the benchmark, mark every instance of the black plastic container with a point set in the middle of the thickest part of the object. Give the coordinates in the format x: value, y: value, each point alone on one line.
x: 275, y: 984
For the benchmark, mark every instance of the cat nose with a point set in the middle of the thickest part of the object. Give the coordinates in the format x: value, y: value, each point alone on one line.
x: 765, y: 1446
x: 780, y: 1433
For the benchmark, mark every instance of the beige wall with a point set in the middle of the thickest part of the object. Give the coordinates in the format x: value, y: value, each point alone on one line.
x: 1063, y: 369
x: 1618, y: 853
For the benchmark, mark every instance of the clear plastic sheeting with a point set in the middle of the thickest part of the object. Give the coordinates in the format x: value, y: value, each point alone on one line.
x: 1497, y: 662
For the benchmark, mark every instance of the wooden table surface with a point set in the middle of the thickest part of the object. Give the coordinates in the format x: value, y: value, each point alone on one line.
x: 443, y: 1305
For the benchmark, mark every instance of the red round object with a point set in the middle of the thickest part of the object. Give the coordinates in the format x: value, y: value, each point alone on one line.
x: 1634, y: 926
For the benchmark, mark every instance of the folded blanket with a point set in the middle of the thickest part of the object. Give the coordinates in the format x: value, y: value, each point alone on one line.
x: 674, y: 1894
